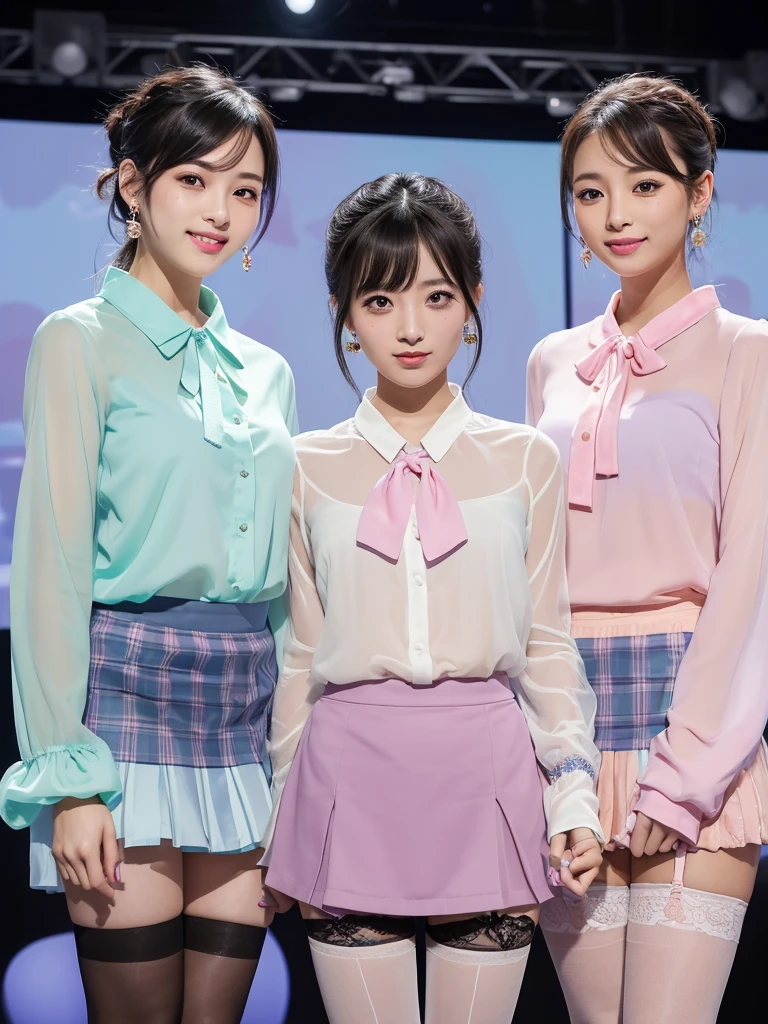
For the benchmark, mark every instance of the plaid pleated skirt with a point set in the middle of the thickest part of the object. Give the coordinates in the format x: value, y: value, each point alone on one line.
x: 633, y: 677
x: 181, y: 692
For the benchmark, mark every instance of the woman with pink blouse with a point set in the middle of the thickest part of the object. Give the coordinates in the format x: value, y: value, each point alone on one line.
x: 660, y: 410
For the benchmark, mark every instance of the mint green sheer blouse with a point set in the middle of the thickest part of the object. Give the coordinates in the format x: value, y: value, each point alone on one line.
x: 159, y: 461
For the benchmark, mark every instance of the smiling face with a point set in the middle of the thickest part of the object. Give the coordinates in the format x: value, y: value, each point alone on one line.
x: 633, y: 218
x: 200, y: 213
x: 411, y: 335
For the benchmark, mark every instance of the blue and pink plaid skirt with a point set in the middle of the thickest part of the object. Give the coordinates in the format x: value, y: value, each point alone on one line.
x: 634, y: 679
x: 181, y: 693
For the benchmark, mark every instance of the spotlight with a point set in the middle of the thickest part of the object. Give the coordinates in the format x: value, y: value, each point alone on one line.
x: 740, y: 101
x: 69, y: 44
x: 299, y: 6
x: 561, y: 106
x: 287, y: 93
x: 396, y: 76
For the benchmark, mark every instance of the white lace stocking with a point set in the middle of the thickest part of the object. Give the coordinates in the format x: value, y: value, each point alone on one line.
x: 695, y: 910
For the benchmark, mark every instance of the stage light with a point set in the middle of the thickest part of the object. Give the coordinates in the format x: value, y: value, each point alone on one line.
x: 396, y: 76
x: 286, y: 93
x: 741, y: 101
x: 561, y: 106
x: 69, y: 44
x: 300, y: 6
x: 69, y: 59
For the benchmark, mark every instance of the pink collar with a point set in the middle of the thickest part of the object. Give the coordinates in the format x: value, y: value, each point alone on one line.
x: 594, y: 443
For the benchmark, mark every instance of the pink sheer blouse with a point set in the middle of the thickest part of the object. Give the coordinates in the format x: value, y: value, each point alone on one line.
x: 665, y: 439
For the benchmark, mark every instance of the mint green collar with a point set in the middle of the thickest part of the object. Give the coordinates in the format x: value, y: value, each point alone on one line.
x: 205, y: 348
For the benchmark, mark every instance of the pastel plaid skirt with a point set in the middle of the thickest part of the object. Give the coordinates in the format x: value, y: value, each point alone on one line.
x: 180, y: 691
x: 633, y: 677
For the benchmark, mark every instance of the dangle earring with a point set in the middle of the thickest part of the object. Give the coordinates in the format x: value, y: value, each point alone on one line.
x: 133, y: 224
x: 699, y: 237
x: 352, y: 345
x: 247, y: 261
x: 586, y: 254
x: 470, y: 338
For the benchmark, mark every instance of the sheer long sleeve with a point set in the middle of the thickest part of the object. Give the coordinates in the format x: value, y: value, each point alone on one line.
x: 296, y: 690
x: 52, y: 577
x: 534, y: 401
x: 553, y: 692
x: 720, y: 700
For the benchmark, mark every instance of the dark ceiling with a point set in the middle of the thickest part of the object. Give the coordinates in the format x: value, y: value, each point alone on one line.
x: 665, y: 28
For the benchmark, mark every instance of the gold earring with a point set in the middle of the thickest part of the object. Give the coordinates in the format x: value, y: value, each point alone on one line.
x: 585, y: 255
x: 247, y: 261
x: 470, y: 338
x: 699, y: 237
x: 354, y: 344
x: 133, y: 224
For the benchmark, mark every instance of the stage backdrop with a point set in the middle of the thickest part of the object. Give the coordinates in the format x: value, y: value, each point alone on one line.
x: 55, y: 239
x: 56, y: 242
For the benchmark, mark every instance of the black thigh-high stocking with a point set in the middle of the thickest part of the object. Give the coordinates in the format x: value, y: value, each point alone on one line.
x: 132, y: 974
x: 220, y: 960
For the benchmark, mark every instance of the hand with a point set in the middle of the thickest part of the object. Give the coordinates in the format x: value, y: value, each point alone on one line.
x: 271, y: 898
x: 578, y: 857
x: 85, y: 846
x: 649, y: 837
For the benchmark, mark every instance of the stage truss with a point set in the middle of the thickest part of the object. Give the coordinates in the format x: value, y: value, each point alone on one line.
x: 289, y: 69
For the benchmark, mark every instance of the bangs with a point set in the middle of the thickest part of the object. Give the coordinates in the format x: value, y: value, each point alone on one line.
x: 388, y: 254
x: 632, y: 133
x: 199, y: 128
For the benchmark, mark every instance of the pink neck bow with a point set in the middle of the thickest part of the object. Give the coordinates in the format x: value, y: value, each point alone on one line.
x: 385, y: 516
x: 594, y: 442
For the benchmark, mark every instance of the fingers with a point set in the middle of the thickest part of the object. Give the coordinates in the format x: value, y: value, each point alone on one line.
x: 579, y: 885
x: 110, y: 856
x: 267, y: 899
x: 588, y: 860
x: 640, y: 834
x: 669, y: 843
x: 96, y: 874
x: 557, y: 849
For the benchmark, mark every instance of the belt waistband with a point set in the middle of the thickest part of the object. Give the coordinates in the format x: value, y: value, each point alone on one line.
x: 200, y: 616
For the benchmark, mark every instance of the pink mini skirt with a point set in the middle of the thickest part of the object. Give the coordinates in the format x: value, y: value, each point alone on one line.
x: 411, y: 801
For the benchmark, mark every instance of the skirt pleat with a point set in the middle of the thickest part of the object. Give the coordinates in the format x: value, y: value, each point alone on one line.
x: 413, y: 801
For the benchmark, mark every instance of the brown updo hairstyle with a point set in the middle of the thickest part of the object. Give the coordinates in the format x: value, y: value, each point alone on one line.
x: 373, y: 239
x: 176, y: 116
x: 642, y: 118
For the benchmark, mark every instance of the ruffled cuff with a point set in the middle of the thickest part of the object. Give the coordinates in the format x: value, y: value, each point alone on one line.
x: 81, y: 770
x: 683, y: 818
x: 570, y: 801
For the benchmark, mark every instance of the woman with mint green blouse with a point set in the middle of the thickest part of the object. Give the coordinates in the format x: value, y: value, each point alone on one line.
x: 149, y: 563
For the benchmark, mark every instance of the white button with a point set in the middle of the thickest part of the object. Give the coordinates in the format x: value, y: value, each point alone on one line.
x: 238, y: 421
x: 243, y: 473
x: 235, y: 586
x: 418, y: 647
x: 418, y: 580
x: 243, y: 527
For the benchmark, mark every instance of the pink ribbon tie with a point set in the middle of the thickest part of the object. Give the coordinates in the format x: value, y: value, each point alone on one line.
x: 385, y: 516
x: 594, y: 443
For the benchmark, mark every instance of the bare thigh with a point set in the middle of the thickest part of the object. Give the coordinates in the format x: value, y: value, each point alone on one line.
x: 727, y: 872
x: 616, y: 868
x: 225, y: 887
x: 150, y: 891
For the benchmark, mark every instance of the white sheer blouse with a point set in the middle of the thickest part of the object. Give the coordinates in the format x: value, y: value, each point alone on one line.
x: 499, y: 603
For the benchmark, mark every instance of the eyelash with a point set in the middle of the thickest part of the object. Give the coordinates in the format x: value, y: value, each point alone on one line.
x: 584, y: 194
x: 369, y: 302
x: 186, y: 178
